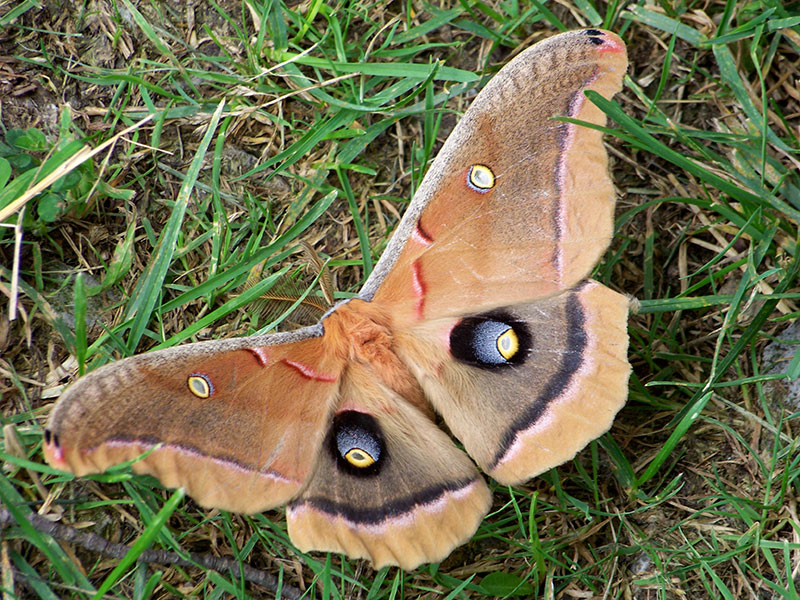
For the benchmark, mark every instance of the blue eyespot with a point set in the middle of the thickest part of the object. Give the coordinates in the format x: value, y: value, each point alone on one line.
x: 491, y: 340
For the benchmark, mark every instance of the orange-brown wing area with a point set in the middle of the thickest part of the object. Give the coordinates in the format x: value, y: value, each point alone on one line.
x: 237, y: 423
x: 517, y: 205
x: 389, y: 485
x: 525, y: 387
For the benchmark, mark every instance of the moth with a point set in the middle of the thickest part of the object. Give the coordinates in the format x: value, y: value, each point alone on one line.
x: 478, y: 312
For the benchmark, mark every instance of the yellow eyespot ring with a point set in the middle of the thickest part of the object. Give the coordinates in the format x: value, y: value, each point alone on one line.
x: 508, y: 344
x: 200, y: 386
x: 359, y: 458
x: 480, y: 178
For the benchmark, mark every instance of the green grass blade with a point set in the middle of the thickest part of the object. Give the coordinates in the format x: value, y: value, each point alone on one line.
x: 148, y: 289
x: 150, y: 533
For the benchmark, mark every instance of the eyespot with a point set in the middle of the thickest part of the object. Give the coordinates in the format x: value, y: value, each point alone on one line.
x: 200, y: 385
x: 480, y: 178
x: 491, y: 340
x: 359, y: 458
x: 357, y: 443
x: 508, y: 344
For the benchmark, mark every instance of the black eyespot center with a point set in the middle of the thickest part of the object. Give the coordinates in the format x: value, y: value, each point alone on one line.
x: 47, y: 436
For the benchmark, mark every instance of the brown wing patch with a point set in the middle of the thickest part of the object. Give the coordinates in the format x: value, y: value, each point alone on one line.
x: 522, y: 412
x: 418, y: 499
x: 536, y: 215
x: 246, y: 445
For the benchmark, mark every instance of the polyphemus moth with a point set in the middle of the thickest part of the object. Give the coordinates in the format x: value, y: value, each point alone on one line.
x: 479, y: 311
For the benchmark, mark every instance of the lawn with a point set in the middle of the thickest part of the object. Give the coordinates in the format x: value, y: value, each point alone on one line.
x: 212, y: 170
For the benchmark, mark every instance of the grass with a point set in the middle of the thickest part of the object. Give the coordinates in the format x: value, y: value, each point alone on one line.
x: 315, y: 122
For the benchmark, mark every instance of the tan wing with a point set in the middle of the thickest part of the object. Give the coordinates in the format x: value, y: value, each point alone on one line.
x: 238, y: 423
x: 516, y: 205
x: 389, y: 486
x: 526, y: 387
